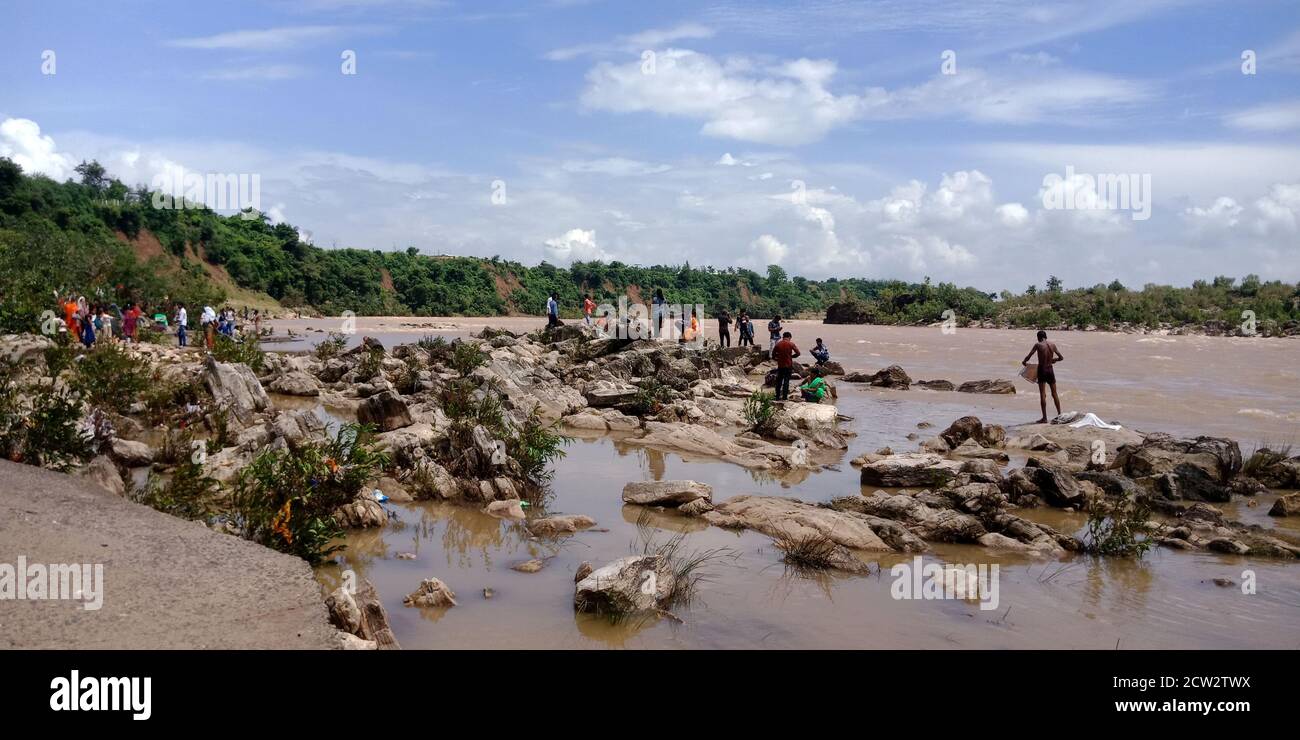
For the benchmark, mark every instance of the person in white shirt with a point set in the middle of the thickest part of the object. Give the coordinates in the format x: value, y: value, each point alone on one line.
x: 182, y: 324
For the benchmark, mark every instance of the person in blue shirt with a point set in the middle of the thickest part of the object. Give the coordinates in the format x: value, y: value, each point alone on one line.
x: 821, y: 352
x: 552, y: 311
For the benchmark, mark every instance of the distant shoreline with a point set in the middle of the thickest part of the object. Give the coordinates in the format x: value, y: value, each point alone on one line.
x: 1181, y: 330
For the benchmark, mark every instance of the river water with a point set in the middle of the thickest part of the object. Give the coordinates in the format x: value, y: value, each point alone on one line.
x: 1239, y: 388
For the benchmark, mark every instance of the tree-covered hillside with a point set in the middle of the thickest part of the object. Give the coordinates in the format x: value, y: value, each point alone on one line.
x: 99, y: 238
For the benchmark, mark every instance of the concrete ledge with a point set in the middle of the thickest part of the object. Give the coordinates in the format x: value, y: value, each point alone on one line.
x: 168, y: 583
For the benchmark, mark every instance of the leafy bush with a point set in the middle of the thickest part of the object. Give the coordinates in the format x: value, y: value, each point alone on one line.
x: 331, y: 346
x: 466, y: 357
x: 111, y: 377
x: 40, y: 425
x: 372, y: 363
x: 535, y: 445
x: 166, y: 400
x: 650, y: 397
x: 285, y: 499
x: 760, y: 411
x: 188, y: 493
x: 247, y: 350
x: 1118, y: 525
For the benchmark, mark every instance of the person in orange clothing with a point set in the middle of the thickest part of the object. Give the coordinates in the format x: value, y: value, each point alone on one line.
x: 70, y: 315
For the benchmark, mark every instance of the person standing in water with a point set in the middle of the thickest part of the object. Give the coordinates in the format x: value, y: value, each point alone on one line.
x: 1048, y: 355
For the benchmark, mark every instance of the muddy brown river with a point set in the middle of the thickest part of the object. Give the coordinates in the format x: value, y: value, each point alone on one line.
x: 1239, y: 388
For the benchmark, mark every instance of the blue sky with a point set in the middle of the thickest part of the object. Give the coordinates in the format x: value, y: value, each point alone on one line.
x: 822, y: 136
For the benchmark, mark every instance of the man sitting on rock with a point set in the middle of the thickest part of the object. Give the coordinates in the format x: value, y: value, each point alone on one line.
x: 814, y: 390
x: 821, y: 352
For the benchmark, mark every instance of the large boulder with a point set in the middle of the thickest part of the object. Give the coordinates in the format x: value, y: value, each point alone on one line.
x: 24, y: 349
x: 779, y: 517
x: 385, y: 411
x: 130, y: 454
x: 1161, y: 454
x: 234, y: 386
x: 1288, y: 505
x: 893, y: 376
x: 636, y: 583
x: 295, y: 383
x: 104, y: 472
x: 987, y: 386
x: 929, y: 523
x: 666, y: 492
x: 362, y: 513
x: 1056, y: 484
x: 606, y: 394
x: 910, y: 470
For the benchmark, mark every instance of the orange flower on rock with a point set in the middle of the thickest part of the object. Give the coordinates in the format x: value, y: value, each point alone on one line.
x: 280, y: 525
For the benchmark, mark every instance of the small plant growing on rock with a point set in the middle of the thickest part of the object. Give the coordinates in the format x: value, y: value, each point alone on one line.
x: 466, y: 357
x: 188, y: 493
x: 760, y: 412
x: 535, y: 445
x: 331, y: 346
x: 1118, y: 525
x: 372, y: 363
x: 248, y: 351
x: 806, y: 553
x: 40, y: 425
x: 109, y: 376
x: 285, y: 499
x: 408, y: 380
x: 650, y: 397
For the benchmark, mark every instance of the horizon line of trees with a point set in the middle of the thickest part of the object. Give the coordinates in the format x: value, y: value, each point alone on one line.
x: 65, y: 237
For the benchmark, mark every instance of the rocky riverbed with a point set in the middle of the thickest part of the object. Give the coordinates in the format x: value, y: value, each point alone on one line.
x: 978, y: 489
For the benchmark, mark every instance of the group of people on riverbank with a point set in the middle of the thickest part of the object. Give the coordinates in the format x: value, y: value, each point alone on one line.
x: 93, y: 323
x: 783, y: 350
x: 97, y: 323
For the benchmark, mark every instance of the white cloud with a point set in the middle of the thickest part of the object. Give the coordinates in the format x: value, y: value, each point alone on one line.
x: 633, y: 43
x: 1279, y: 210
x: 266, y: 39
x: 616, y: 166
x: 789, y: 105
x: 766, y: 250
x: 22, y: 141
x: 1013, y: 214
x: 1224, y: 213
x: 269, y: 72
x: 791, y: 102
x: 1269, y: 117
x: 575, y: 245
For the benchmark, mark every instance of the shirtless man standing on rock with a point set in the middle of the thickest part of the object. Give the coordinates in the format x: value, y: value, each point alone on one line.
x: 1048, y: 355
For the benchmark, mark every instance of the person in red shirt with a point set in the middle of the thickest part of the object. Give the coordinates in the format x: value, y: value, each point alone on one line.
x: 588, y: 306
x: 784, y: 353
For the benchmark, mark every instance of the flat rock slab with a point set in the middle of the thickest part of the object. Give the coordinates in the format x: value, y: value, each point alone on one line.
x: 168, y: 583
x: 775, y: 516
x: 666, y: 492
